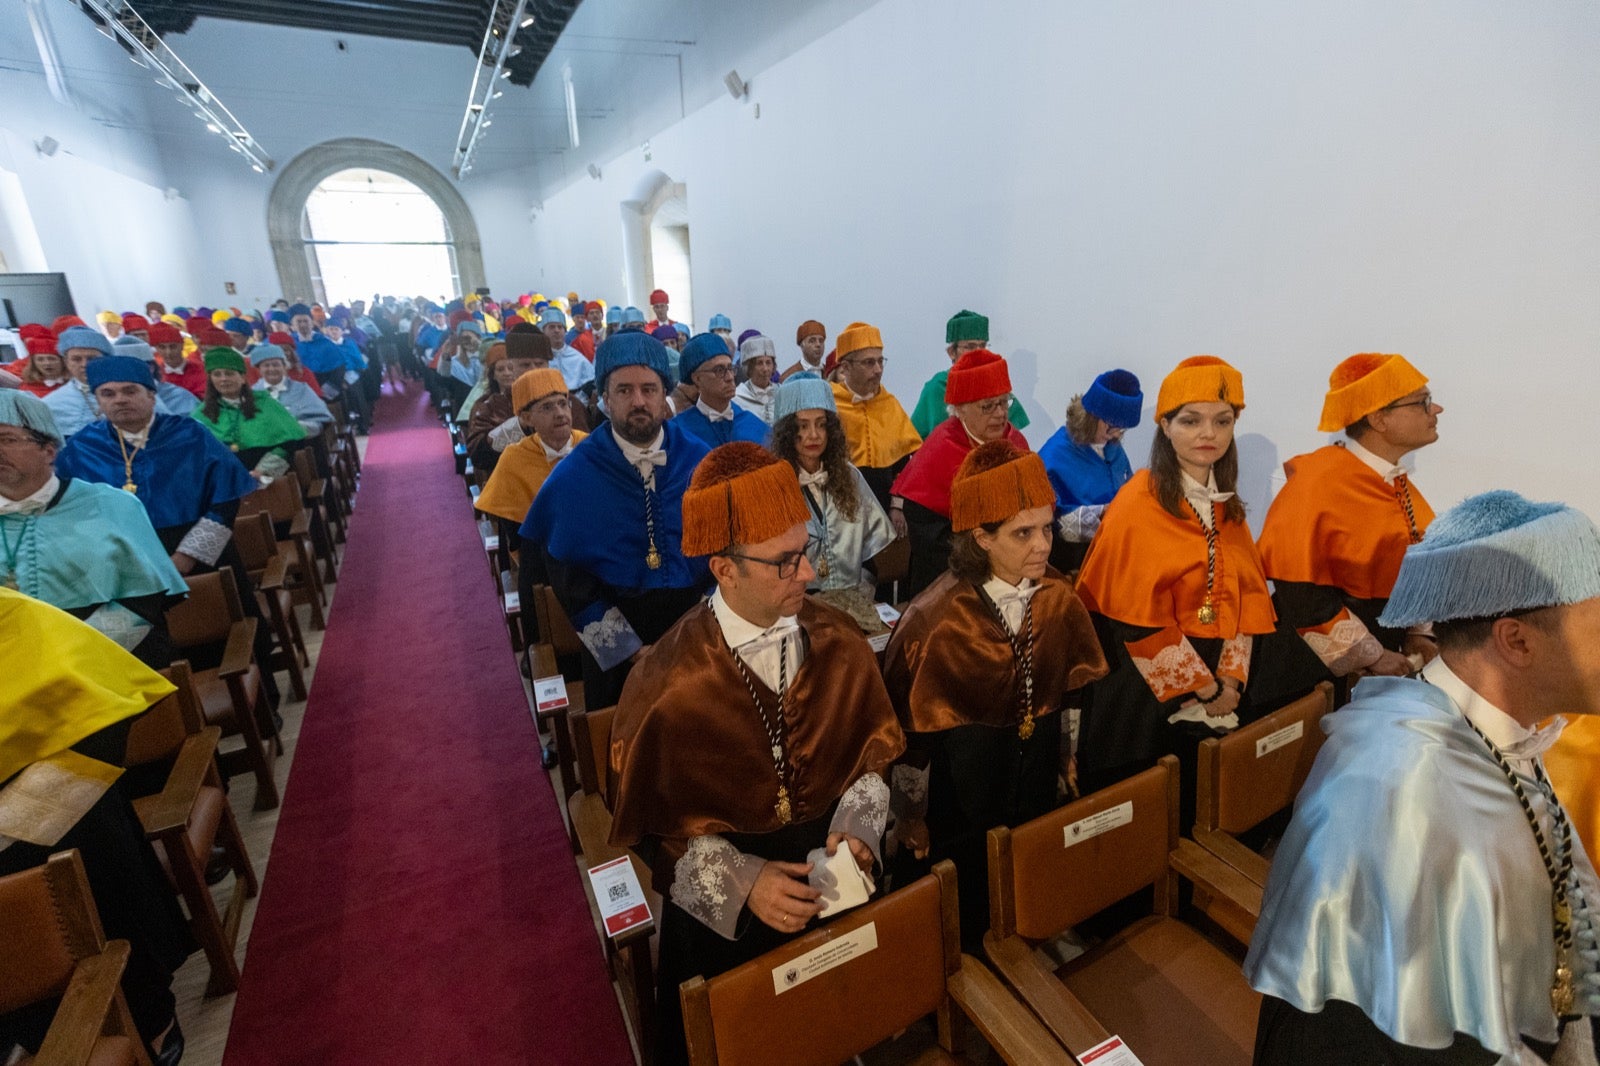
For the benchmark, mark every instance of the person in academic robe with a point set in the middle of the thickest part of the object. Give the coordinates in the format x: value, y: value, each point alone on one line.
x: 73, y: 405
x: 848, y: 527
x: 170, y: 399
x: 609, y: 518
x: 881, y: 437
x: 138, y: 325
x: 753, y: 733
x: 966, y: 331
x: 575, y: 367
x: 70, y: 696
x: 1176, y: 590
x: 254, y: 426
x: 299, y: 399
x: 714, y: 417
x: 659, y: 307
x: 758, y: 358
x: 88, y: 549
x: 978, y: 396
x: 979, y: 667
x: 45, y: 372
x: 110, y: 324
x: 1430, y: 902
x: 811, y: 337
x: 1086, y: 461
x: 1334, y: 536
x: 176, y: 368
x: 1572, y: 763
x: 495, y: 407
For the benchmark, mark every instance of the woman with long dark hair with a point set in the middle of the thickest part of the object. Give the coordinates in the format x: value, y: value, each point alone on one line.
x: 848, y: 526
x: 253, y: 425
x: 1176, y: 588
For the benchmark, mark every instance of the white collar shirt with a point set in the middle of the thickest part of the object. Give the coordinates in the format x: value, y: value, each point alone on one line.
x: 34, y: 502
x: 1379, y: 465
x: 759, y: 649
x: 1201, y: 497
x: 1010, y: 600
x: 645, y: 460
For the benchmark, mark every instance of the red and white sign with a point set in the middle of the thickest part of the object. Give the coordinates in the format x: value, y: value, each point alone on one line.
x: 1111, y: 1052
x: 621, y: 900
x: 550, y: 693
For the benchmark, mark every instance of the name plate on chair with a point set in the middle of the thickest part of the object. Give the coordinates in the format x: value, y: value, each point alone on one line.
x: 617, y: 892
x: 1279, y: 737
x: 1092, y: 826
x: 879, y: 641
x: 550, y: 693
x: 1111, y: 1052
x: 887, y: 614
x: 797, y: 971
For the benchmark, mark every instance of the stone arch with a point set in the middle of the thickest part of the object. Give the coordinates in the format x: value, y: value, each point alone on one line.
x: 652, y: 193
x: 302, y: 174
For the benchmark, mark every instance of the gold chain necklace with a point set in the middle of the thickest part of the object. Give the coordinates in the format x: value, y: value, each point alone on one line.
x: 127, y: 460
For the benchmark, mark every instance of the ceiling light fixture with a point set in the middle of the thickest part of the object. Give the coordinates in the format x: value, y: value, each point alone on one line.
x: 493, y: 55
x: 146, y: 48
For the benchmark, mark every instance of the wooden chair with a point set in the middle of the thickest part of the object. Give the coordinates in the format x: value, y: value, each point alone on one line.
x: 1174, y: 995
x: 589, y: 820
x: 752, y: 1015
x: 319, y: 499
x: 283, y: 502
x: 559, y: 653
x: 51, y: 945
x: 341, y: 467
x: 893, y: 564
x: 189, y: 816
x: 231, y: 695
x: 1253, y: 773
x: 268, y: 568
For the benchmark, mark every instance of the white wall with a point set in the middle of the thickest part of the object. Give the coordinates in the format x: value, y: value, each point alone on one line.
x: 95, y: 210
x: 1127, y: 184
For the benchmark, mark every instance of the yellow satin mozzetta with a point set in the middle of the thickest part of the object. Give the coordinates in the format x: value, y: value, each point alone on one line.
x: 60, y: 681
x: 1572, y: 764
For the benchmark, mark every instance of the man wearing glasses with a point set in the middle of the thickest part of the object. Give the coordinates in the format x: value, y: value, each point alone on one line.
x: 881, y: 437
x: 753, y: 735
x: 715, y: 418
x: 1334, y: 536
x: 967, y: 331
x: 978, y: 397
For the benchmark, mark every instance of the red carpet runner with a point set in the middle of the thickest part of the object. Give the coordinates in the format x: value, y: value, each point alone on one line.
x: 421, y: 905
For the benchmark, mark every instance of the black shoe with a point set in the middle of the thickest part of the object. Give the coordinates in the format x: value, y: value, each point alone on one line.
x: 172, y: 1050
x: 548, y: 759
x: 217, y: 865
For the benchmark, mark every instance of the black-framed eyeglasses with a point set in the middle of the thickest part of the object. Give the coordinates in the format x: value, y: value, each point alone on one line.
x: 788, y: 564
x: 1426, y: 403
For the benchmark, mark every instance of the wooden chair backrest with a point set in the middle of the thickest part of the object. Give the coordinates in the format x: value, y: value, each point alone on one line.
x: 159, y: 732
x: 209, y: 612
x: 1253, y: 773
x: 894, y: 562
x: 48, y: 922
x: 1052, y: 873
x: 282, y: 499
x: 763, y: 1014
x: 591, y: 742
x: 305, y: 467
x: 559, y: 632
x: 256, y: 541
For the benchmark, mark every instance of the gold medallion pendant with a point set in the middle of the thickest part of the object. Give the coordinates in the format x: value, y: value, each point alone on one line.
x: 11, y: 582
x: 652, y: 558
x: 130, y: 487
x: 822, y: 566
x: 1025, y: 730
x: 1561, y: 992
x: 785, y: 814
x: 1208, y: 614
x: 233, y: 447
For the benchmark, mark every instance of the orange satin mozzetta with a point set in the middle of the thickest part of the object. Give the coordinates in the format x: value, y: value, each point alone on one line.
x: 1337, y: 523
x: 1147, y: 567
x: 950, y: 664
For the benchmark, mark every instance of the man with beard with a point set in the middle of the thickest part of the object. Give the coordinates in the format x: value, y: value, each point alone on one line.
x: 609, y: 519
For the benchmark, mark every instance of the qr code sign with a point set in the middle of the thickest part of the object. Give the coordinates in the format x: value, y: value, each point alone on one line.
x: 617, y: 892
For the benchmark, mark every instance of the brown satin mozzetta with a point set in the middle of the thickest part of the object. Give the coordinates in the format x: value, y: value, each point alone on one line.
x: 949, y: 662
x: 689, y: 753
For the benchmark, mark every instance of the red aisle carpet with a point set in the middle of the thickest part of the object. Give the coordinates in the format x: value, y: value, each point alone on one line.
x: 421, y: 905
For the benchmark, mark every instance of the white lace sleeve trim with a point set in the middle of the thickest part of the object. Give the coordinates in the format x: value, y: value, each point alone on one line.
x: 506, y: 434
x: 862, y: 812
x: 205, y: 541
x: 1079, y: 525
x: 908, y: 793
x: 1345, y: 648
x: 610, y: 639
x: 712, y: 881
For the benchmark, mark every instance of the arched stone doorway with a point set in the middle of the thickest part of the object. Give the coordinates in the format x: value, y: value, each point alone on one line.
x: 300, y: 177
x: 655, y: 243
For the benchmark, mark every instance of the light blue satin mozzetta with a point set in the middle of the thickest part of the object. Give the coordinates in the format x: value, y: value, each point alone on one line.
x: 1409, y: 884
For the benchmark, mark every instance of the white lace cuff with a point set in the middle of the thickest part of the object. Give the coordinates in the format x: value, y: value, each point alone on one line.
x: 1195, y: 712
x: 506, y: 434
x: 272, y: 465
x: 1346, y: 647
x: 862, y: 812
x: 205, y: 541
x: 1079, y: 525
x: 712, y: 881
x: 610, y: 639
x: 908, y: 793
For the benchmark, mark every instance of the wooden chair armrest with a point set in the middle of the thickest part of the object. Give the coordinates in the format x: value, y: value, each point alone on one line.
x: 274, y: 575
x: 301, y: 526
x: 1008, y: 1026
x: 168, y: 811
x: 1235, y: 854
x: 81, y: 1017
x: 542, y: 661
x: 240, y: 651
x: 315, y: 490
x: 1061, y: 1012
x: 1222, y: 893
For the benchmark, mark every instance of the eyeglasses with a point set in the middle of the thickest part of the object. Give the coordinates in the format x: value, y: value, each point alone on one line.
x: 1426, y: 403
x: 8, y: 440
x: 877, y: 363
x: 788, y: 564
x: 999, y: 403
x: 725, y: 371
